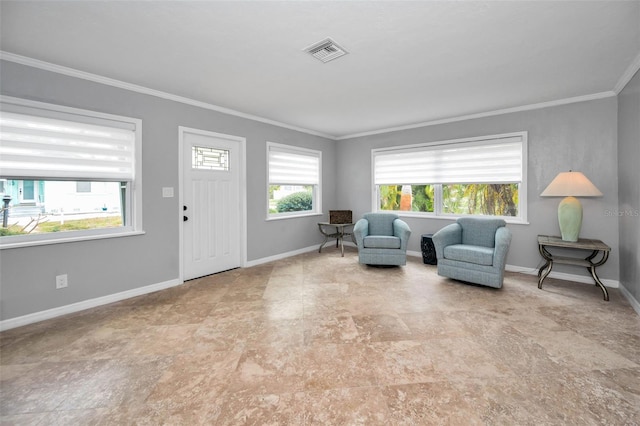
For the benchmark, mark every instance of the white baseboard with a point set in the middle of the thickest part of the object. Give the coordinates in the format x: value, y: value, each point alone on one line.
x: 564, y: 276
x: 280, y: 256
x: 85, y: 304
x: 104, y: 300
x: 632, y: 300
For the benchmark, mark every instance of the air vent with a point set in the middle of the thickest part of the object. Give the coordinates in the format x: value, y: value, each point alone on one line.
x: 326, y: 50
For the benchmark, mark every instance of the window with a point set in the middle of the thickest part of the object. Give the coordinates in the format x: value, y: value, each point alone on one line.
x: 83, y: 186
x: 204, y: 157
x: 294, y: 181
x: 475, y: 176
x: 71, y: 174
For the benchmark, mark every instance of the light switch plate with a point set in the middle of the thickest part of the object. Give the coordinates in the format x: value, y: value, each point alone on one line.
x: 167, y: 192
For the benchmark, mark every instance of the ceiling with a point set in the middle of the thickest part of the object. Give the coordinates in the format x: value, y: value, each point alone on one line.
x: 408, y: 62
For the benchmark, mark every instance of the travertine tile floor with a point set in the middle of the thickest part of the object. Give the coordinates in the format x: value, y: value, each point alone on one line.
x: 319, y: 339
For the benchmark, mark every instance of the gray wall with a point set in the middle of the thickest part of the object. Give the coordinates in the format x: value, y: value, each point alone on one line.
x: 102, y: 267
x: 629, y: 189
x: 580, y: 136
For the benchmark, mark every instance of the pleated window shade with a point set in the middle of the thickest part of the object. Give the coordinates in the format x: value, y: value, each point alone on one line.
x: 290, y: 166
x: 33, y: 147
x: 494, y: 160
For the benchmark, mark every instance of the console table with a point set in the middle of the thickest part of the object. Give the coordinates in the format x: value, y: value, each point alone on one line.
x: 338, y: 232
x: 596, y: 247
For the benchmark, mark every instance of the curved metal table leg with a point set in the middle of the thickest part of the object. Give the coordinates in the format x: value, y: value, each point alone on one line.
x: 545, y: 269
x: 326, y: 238
x: 592, y: 269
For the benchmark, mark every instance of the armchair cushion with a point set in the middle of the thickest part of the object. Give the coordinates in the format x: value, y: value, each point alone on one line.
x: 382, y: 241
x: 478, y: 255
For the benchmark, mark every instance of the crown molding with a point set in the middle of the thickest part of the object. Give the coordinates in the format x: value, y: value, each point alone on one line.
x: 565, y: 101
x: 11, y: 57
x: 71, y: 72
x: 628, y: 75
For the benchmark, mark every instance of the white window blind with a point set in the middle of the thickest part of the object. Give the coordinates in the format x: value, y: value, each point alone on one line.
x: 33, y: 147
x: 495, y: 160
x: 290, y: 166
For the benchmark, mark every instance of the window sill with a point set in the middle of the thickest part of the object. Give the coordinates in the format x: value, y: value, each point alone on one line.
x: 292, y: 216
x: 511, y: 221
x: 70, y: 239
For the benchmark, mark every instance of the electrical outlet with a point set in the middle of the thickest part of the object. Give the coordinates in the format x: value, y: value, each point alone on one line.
x: 61, y: 281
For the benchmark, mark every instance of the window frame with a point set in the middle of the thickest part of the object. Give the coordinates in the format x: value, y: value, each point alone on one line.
x: 316, y: 192
x: 438, y: 193
x: 133, y: 199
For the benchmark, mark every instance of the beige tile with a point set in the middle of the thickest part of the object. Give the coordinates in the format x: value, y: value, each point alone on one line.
x: 24, y: 419
x: 402, y: 362
x: 347, y: 406
x: 321, y: 339
x: 436, y: 403
x: 185, y: 314
x: 623, y: 343
x: 330, y: 366
x: 192, y: 381
x: 24, y: 400
x: 283, y: 310
x: 577, y: 353
x: 276, y: 291
x: 380, y: 328
x: 268, y: 369
x: 102, y: 343
x: 137, y: 316
x: 331, y: 329
x: 278, y: 333
x: 74, y: 417
x: 433, y: 325
x: 258, y: 410
x: 161, y: 340
x: 46, y: 344
x: 204, y: 293
x: 462, y: 357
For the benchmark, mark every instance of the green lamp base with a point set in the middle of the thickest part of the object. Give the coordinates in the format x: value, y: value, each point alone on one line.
x: 570, y: 218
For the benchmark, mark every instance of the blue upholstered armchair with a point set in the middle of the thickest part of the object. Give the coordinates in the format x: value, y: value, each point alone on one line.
x: 473, y: 250
x: 382, y: 239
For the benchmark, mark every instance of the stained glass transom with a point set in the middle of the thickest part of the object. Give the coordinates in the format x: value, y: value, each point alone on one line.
x: 210, y: 158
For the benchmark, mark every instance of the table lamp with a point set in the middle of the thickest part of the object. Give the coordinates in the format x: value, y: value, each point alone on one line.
x: 570, y: 185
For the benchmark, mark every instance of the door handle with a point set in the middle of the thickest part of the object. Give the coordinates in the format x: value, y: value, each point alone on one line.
x: 184, y: 218
x: 184, y: 208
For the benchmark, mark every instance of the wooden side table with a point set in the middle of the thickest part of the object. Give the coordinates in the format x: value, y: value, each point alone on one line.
x: 338, y: 232
x: 596, y: 247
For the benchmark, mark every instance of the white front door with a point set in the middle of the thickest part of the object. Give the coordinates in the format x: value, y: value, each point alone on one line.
x: 211, y: 202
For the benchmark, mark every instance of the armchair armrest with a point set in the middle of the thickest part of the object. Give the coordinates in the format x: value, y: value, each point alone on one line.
x: 450, y: 234
x: 402, y: 231
x: 503, y: 240
x: 361, y: 230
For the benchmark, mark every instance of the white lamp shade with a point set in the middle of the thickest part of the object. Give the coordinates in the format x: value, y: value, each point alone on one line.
x: 573, y: 184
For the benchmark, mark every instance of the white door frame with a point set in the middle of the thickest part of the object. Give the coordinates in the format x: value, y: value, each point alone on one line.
x: 242, y: 188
